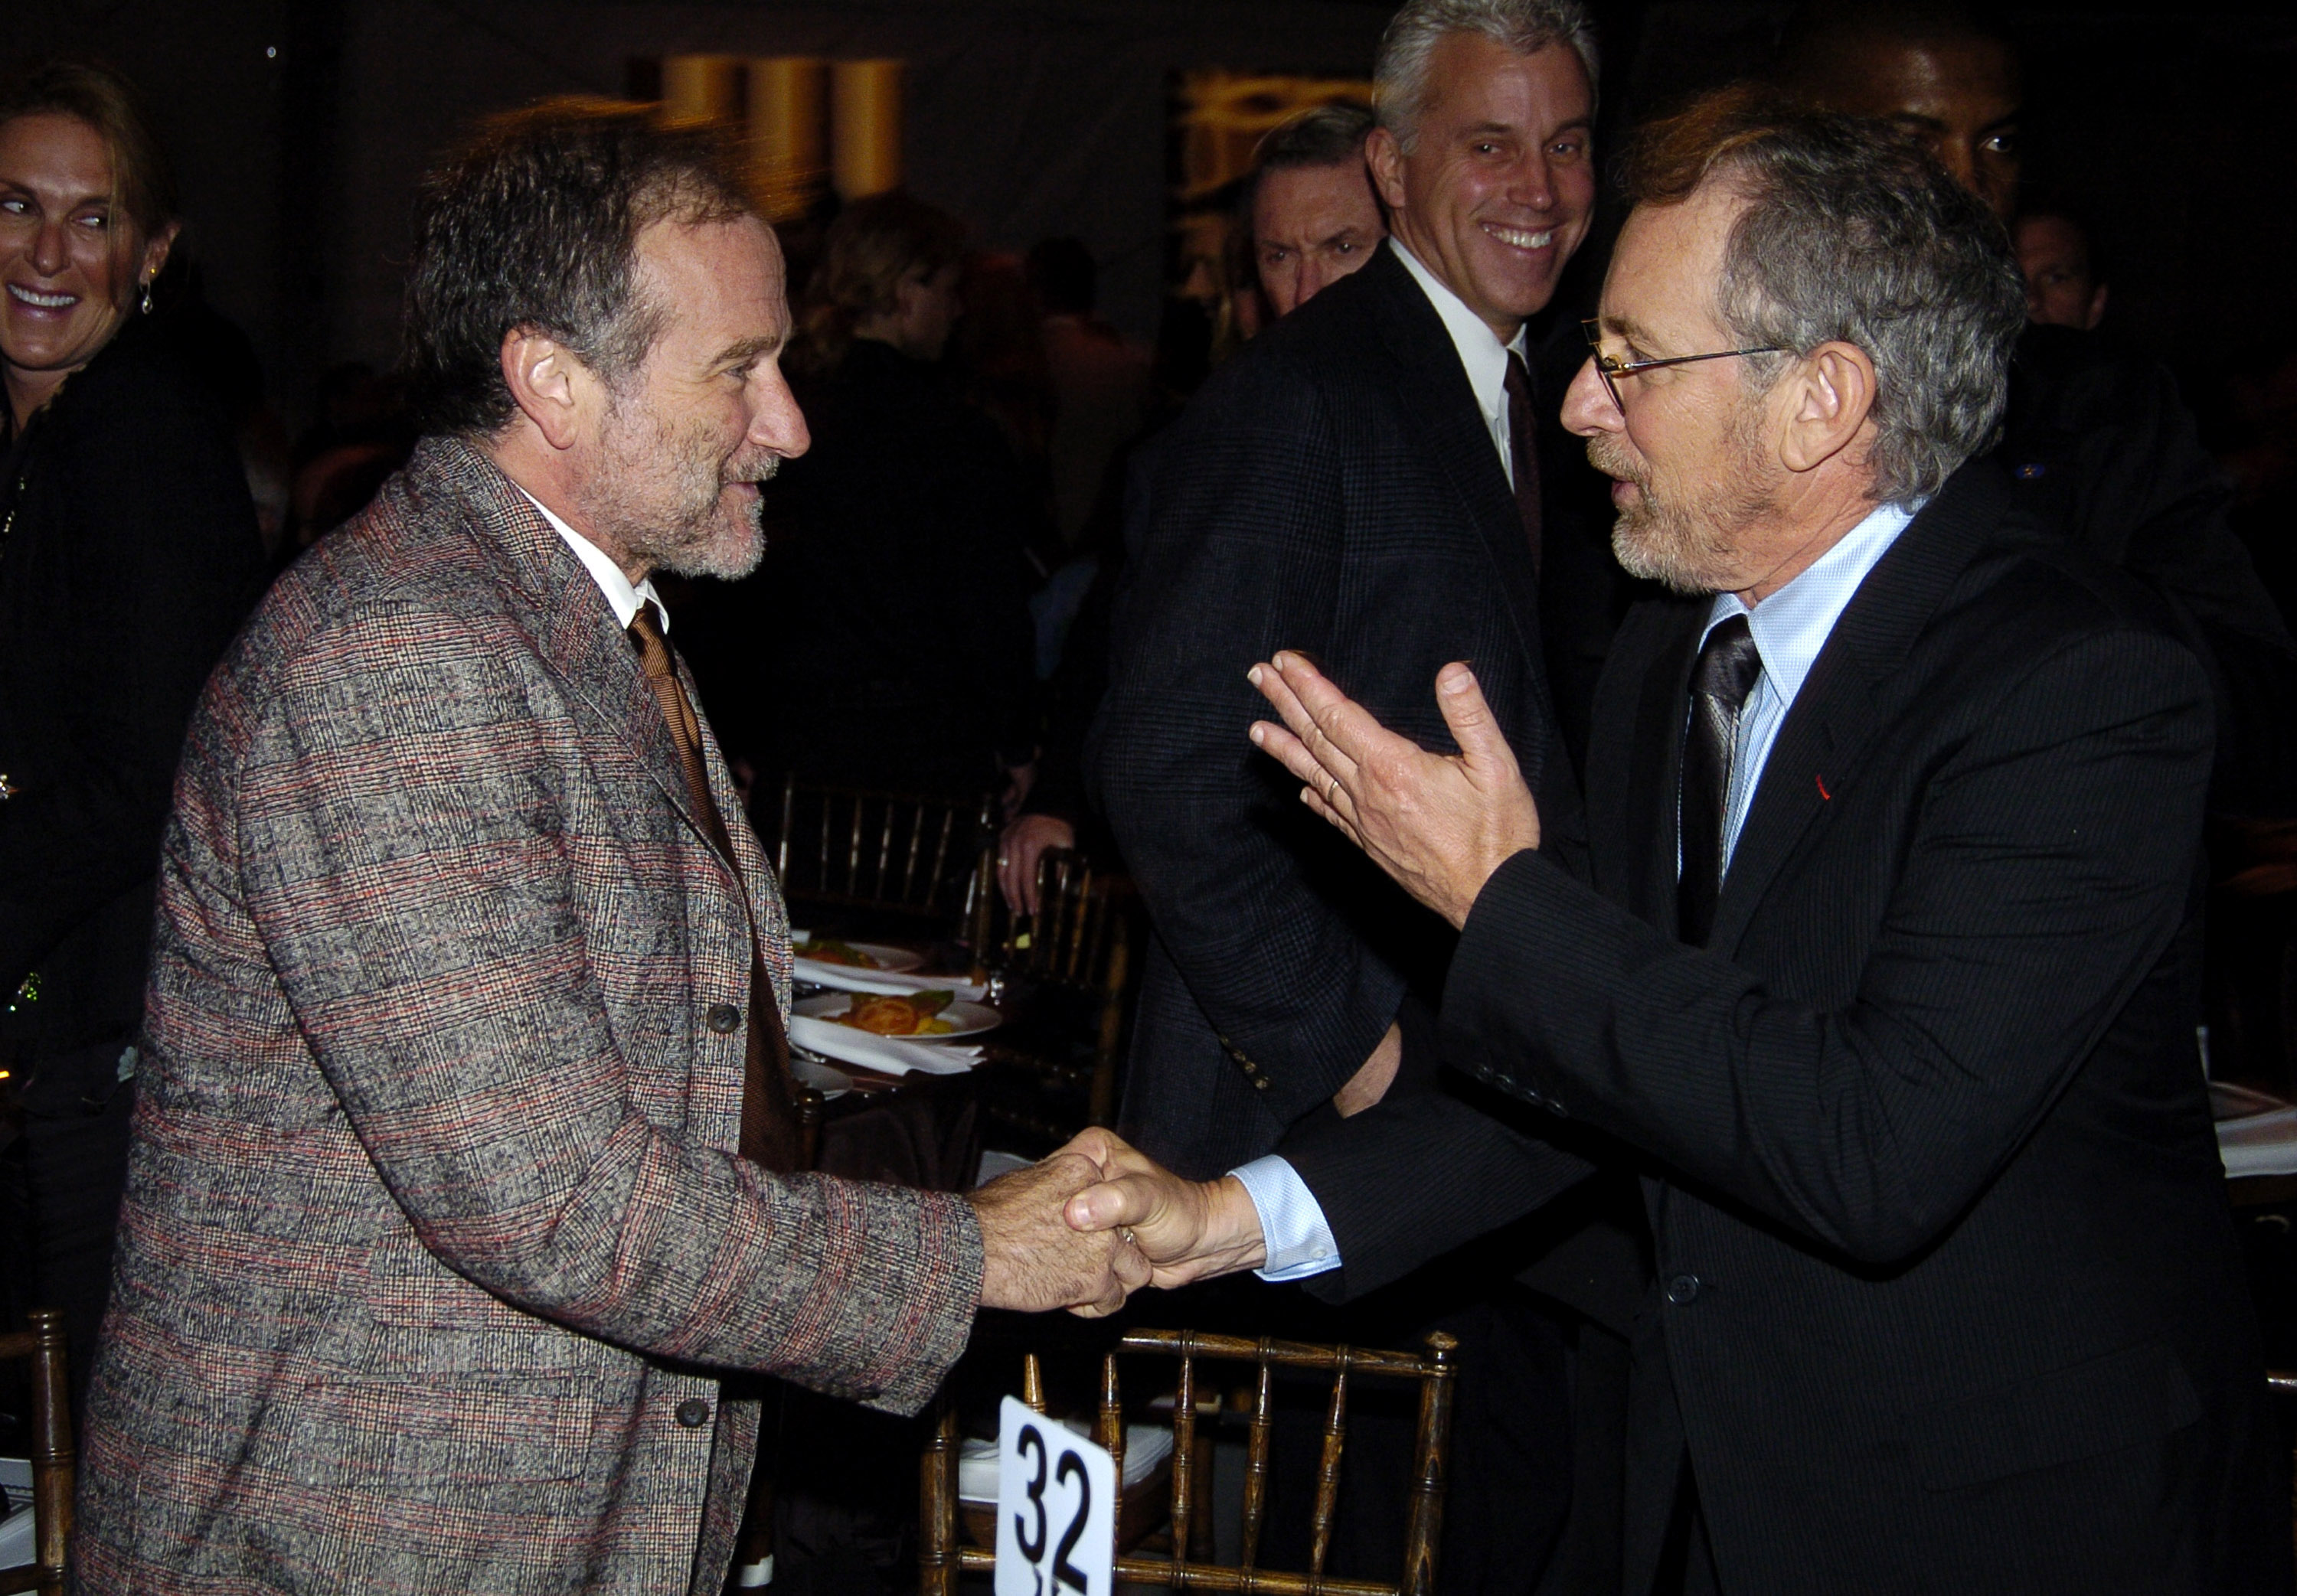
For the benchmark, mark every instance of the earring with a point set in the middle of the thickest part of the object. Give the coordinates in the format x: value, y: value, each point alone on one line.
x: 147, y: 296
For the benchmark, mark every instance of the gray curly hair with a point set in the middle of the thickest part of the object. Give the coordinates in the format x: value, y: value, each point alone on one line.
x: 1853, y: 233
x: 1400, y: 75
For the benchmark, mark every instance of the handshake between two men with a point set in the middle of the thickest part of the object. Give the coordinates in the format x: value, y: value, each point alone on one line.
x: 1440, y: 825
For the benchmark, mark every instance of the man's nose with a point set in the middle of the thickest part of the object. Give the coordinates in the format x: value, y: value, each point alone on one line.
x: 1587, y: 406
x: 1315, y: 275
x: 775, y: 422
x: 1533, y: 184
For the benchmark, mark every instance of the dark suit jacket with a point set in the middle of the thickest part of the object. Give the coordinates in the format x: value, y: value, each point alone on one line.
x: 1946, y: 1295
x: 128, y: 558
x: 2099, y: 443
x: 1332, y: 489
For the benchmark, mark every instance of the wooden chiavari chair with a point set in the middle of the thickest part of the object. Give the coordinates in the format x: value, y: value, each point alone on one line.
x: 941, y: 1558
x: 52, y: 1453
x: 1075, y: 954
x: 883, y: 853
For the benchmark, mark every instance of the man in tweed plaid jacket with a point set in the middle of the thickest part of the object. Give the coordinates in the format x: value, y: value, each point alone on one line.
x: 437, y: 1237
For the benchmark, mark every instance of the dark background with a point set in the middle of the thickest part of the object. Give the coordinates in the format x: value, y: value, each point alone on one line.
x: 300, y: 128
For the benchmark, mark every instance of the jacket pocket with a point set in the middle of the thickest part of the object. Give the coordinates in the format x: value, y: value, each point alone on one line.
x: 2128, y: 1398
x: 442, y: 1439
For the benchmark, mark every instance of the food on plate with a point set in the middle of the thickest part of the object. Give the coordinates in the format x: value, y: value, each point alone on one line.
x: 828, y: 950
x: 907, y: 1014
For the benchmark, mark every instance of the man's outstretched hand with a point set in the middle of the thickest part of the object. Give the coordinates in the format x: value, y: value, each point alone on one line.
x: 1439, y: 824
x: 1185, y: 1229
x: 1033, y: 1259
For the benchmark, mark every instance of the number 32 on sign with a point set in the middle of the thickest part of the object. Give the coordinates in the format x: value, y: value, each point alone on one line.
x: 1056, y: 1508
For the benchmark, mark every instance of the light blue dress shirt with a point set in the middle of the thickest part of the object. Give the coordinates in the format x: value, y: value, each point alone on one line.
x: 1790, y: 628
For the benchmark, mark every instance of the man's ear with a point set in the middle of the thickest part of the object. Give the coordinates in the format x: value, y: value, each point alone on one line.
x: 1828, y: 402
x: 2097, y: 308
x: 1384, y: 159
x: 546, y: 381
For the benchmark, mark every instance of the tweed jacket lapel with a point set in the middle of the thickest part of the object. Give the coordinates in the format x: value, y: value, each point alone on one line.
x: 1818, y: 752
x: 560, y: 606
x: 1440, y: 406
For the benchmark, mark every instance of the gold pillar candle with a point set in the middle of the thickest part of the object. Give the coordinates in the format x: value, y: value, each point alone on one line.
x: 697, y: 88
x: 788, y: 133
x: 865, y: 109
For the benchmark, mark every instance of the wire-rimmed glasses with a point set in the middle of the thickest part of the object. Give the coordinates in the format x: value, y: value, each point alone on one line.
x: 1610, y: 369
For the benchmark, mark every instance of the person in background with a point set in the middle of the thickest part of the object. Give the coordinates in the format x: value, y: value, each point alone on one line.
x: 1309, y: 204
x: 2098, y: 443
x: 1308, y: 211
x: 128, y: 555
x: 1099, y: 385
x: 2065, y: 280
x: 903, y: 646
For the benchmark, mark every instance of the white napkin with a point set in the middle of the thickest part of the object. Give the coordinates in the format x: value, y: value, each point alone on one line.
x: 2262, y: 1144
x: 846, y: 978
x: 887, y: 1054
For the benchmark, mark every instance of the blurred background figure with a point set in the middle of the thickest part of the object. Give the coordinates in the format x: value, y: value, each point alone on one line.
x: 128, y: 555
x: 1100, y: 385
x: 1309, y: 206
x: 2098, y: 443
x: 2065, y: 280
x: 897, y: 652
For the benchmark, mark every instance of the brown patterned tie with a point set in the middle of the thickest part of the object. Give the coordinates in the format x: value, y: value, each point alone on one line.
x: 770, y: 1132
x: 1523, y: 452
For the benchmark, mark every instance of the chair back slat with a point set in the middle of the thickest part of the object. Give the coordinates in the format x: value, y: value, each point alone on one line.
x: 1112, y: 1437
x: 52, y: 1453
x: 1256, y: 1436
x: 843, y: 847
x: 1327, y: 1471
x: 1184, y: 1449
x: 1431, y: 1445
x: 937, y: 1507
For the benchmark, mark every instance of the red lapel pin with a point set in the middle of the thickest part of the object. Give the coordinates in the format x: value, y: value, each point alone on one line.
x: 1825, y: 796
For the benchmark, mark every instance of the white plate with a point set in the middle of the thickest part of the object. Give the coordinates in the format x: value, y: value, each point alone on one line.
x: 966, y: 1019
x: 888, y: 958
x: 831, y: 1083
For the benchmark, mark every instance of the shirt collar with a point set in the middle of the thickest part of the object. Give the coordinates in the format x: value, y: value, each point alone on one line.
x: 622, y: 597
x: 1791, y: 626
x: 1484, y: 357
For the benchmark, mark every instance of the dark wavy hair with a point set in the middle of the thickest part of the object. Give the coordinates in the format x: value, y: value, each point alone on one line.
x: 143, y: 182
x: 535, y: 224
x: 1853, y: 231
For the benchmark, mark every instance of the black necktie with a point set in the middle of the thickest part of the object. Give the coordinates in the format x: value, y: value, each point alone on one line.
x: 769, y: 1131
x: 1725, y: 673
x: 1523, y: 453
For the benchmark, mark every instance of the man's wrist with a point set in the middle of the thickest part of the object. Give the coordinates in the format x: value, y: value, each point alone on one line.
x: 1232, y: 1238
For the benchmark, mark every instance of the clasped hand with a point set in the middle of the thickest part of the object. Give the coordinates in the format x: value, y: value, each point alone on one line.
x: 1098, y: 1219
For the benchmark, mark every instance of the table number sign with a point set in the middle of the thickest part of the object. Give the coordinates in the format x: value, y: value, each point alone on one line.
x: 1056, y: 1508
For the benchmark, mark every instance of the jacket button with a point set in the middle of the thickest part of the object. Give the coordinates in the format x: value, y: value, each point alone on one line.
x: 694, y: 1412
x: 1682, y: 1288
x: 1260, y: 1081
x: 723, y: 1019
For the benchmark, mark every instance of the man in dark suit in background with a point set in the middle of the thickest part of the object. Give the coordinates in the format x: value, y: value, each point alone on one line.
x: 1363, y: 479
x: 2097, y: 441
x: 1887, y: 965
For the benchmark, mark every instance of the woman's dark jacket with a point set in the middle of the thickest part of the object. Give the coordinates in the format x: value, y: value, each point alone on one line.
x: 897, y: 565
x: 128, y: 559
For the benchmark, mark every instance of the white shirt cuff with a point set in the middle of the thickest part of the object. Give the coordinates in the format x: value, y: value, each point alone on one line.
x: 1292, y: 1226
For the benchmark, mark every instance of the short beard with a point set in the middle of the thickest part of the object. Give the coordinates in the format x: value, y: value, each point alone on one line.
x: 659, y: 496
x: 1691, y: 547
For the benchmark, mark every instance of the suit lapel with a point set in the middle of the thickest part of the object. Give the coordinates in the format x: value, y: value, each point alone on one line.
x: 568, y: 618
x: 1818, y: 753
x: 1441, y: 409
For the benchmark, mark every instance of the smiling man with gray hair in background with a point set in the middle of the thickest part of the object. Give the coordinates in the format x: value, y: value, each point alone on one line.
x: 1377, y: 478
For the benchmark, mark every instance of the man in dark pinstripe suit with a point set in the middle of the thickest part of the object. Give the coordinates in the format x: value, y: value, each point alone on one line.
x: 1887, y: 969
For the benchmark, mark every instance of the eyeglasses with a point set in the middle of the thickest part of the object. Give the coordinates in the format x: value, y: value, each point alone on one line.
x: 1610, y: 370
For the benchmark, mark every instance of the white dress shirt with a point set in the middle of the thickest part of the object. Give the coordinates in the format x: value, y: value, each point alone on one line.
x: 1790, y: 628
x: 1484, y: 355
x: 621, y: 596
